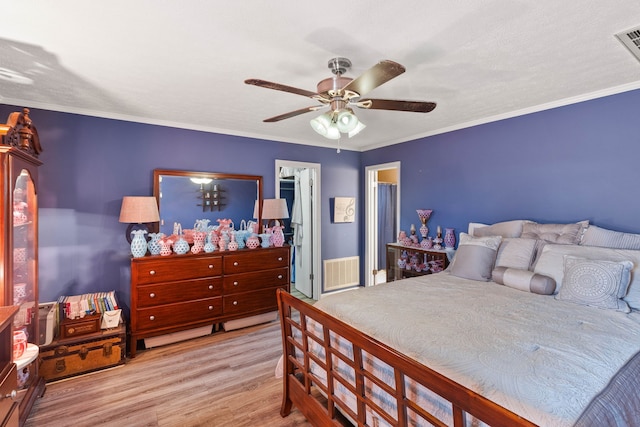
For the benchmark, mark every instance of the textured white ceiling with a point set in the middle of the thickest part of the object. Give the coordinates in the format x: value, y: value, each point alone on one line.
x: 183, y: 63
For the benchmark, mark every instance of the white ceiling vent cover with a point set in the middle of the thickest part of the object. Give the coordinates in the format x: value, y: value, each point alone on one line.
x: 631, y: 39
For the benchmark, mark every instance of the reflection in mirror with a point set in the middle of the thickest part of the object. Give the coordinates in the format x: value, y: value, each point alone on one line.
x: 186, y: 196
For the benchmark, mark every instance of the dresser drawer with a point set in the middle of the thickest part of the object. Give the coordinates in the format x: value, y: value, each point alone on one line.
x: 250, y: 301
x: 243, y: 282
x: 164, y: 269
x: 171, y: 292
x: 9, y: 383
x: 180, y: 313
x: 261, y: 259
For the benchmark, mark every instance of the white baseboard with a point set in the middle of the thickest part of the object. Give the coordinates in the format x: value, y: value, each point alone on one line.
x: 249, y: 321
x: 177, y: 336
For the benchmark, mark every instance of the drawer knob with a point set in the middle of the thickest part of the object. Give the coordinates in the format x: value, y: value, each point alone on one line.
x: 279, y: 276
x: 235, y: 303
x: 279, y: 258
x: 235, y: 283
x: 152, y: 317
x: 11, y: 395
x: 235, y: 263
x: 152, y: 295
x: 152, y: 272
x: 210, y: 266
x: 210, y: 307
x: 210, y: 286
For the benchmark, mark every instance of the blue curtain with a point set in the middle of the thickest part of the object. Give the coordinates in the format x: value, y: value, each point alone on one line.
x: 387, y: 194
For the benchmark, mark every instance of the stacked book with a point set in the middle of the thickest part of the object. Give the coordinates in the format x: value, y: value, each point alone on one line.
x: 78, y: 306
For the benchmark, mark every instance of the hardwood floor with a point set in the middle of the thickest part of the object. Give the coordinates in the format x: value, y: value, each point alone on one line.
x: 224, y: 379
x: 296, y: 293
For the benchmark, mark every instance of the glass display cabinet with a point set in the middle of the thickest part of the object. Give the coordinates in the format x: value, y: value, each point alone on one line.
x: 409, y: 261
x: 19, y: 250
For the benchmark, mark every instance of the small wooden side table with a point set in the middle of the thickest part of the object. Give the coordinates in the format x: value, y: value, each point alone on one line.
x: 424, y: 256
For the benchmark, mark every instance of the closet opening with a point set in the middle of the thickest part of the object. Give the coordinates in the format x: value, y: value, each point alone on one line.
x: 299, y: 184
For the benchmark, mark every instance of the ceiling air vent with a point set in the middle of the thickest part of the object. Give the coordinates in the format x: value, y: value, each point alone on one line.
x: 631, y: 39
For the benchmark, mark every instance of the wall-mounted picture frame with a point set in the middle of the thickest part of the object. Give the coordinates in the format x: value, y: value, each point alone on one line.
x: 344, y: 209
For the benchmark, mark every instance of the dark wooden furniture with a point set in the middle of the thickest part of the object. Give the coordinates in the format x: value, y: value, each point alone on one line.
x: 8, y: 379
x: 19, y: 242
x: 179, y: 292
x: 314, y: 397
x: 424, y: 256
x: 67, y: 357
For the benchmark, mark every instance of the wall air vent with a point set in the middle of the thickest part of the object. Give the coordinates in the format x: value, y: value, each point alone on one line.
x: 631, y: 39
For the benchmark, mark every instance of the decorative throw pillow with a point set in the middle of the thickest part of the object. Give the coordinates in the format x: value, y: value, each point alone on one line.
x: 516, y: 253
x: 504, y: 229
x: 567, y: 234
x: 524, y: 280
x: 597, y: 236
x: 475, y: 257
x: 596, y: 283
x: 551, y: 263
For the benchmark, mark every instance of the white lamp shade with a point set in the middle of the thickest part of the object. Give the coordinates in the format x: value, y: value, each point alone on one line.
x: 274, y: 209
x: 139, y: 210
x: 333, y: 132
x: 321, y: 124
x: 357, y: 129
x: 347, y: 121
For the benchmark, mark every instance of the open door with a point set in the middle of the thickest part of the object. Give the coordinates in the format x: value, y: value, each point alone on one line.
x: 299, y: 184
x: 382, y: 217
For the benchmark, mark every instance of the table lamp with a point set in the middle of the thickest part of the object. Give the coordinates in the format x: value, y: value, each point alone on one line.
x: 138, y: 211
x: 274, y: 209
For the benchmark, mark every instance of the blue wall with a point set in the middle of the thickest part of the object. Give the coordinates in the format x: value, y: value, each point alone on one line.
x: 566, y: 164
x: 91, y: 163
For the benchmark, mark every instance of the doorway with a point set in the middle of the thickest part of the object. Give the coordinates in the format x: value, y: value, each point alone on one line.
x: 382, y: 199
x: 299, y: 184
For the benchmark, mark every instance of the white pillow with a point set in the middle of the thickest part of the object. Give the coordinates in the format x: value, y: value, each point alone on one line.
x: 475, y: 257
x: 569, y: 234
x: 471, y: 229
x: 596, y: 283
x: 551, y: 263
x: 598, y: 236
x: 504, y: 229
x: 516, y: 253
x: 524, y: 280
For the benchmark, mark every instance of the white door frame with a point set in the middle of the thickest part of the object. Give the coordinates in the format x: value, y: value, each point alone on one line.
x: 315, y: 230
x: 371, y: 217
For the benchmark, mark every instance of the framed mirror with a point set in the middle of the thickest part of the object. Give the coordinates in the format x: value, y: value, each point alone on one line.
x: 186, y: 196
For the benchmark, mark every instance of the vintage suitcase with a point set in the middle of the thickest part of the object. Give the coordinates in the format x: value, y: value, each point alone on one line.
x: 74, y: 356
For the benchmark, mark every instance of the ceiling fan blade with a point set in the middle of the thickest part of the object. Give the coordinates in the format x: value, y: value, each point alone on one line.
x: 283, y: 88
x: 375, y: 76
x: 292, y: 114
x: 390, y: 104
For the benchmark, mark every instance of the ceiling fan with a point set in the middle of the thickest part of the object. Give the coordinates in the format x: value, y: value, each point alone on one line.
x: 341, y: 93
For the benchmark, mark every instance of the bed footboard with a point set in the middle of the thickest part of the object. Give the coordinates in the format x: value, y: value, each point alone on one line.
x: 333, y: 372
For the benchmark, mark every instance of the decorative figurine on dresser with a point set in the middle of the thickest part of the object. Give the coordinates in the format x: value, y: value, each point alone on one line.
x: 184, y: 290
x: 19, y: 150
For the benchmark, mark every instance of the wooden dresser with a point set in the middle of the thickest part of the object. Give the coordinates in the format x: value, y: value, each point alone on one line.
x: 179, y: 292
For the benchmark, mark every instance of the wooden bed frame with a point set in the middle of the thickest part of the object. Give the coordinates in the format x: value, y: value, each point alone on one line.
x: 316, y: 399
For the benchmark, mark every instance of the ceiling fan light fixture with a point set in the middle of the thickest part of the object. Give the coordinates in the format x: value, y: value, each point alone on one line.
x: 321, y: 124
x: 346, y: 120
x: 357, y: 129
x: 333, y: 132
